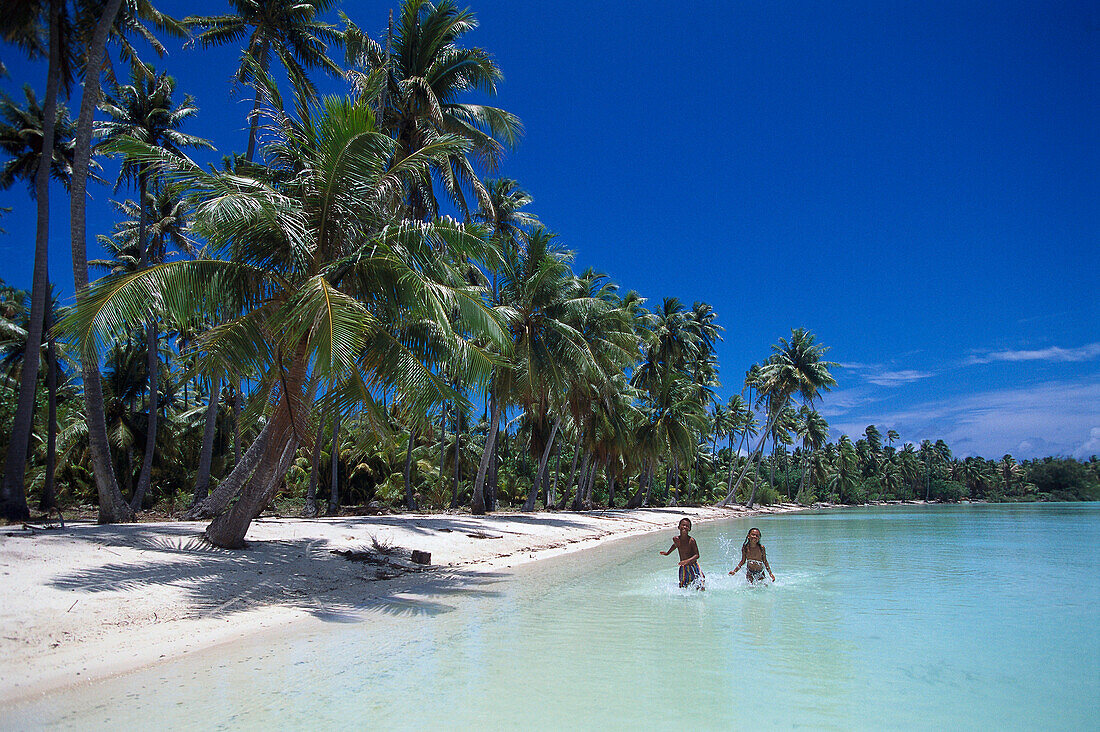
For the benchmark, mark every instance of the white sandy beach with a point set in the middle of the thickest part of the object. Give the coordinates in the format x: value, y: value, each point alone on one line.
x: 87, y: 601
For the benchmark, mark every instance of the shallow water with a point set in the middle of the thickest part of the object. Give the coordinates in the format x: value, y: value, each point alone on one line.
x: 900, y: 617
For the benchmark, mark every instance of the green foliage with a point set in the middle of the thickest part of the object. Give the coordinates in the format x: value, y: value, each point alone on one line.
x: 944, y: 489
x: 1063, y: 479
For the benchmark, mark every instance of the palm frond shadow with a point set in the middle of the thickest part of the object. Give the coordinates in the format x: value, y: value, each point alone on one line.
x: 301, y: 574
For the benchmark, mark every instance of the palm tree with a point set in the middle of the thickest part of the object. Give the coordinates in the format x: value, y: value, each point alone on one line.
x: 20, y: 24
x: 143, y: 110
x: 24, y: 134
x: 320, y: 275
x: 424, y: 75
x: 289, y: 30
x: 115, y: 19
x: 508, y: 226
x: 544, y: 303
x: 1009, y: 470
x: 742, y: 420
x: 845, y: 475
x: 795, y: 366
x: 814, y: 431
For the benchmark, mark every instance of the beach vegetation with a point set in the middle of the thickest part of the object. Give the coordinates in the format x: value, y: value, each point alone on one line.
x: 360, y: 312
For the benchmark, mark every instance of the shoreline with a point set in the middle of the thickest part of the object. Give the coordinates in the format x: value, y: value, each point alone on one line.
x: 129, y: 596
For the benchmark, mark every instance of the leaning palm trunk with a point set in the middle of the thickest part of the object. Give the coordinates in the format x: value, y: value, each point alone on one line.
x: 112, y: 506
x: 13, y: 498
x: 309, y: 510
x: 410, y: 500
x: 756, y: 476
x: 228, y: 529
x: 635, y: 501
x: 206, y: 455
x: 648, y: 483
x: 334, y: 490
x: 597, y: 465
x: 238, y: 402
x: 552, y: 495
x: 216, y: 502
x: 748, y: 462
x: 578, y: 498
x: 674, y: 473
x: 477, y: 501
x: 532, y: 497
x: 568, y: 485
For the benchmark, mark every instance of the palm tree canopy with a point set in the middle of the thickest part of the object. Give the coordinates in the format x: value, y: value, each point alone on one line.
x: 21, y: 141
x: 143, y: 111
x: 289, y: 29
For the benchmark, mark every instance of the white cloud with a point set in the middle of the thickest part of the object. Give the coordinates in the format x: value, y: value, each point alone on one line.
x: 1054, y: 354
x: 1089, y: 447
x: 1052, y: 418
x: 898, y: 378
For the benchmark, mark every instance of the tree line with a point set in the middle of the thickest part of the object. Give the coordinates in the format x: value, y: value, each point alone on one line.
x: 305, y: 322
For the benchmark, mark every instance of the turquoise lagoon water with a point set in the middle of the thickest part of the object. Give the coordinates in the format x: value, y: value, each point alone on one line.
x: 958, y: 617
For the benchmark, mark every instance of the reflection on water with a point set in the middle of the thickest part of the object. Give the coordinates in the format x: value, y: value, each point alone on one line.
x: 900, y: 617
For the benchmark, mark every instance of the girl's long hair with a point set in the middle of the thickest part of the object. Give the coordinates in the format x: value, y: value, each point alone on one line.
x: 746, y: 544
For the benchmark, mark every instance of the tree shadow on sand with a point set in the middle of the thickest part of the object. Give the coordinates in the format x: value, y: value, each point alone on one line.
x: 300, y: 573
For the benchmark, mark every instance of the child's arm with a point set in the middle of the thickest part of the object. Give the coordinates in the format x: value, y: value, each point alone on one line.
x: 764, y: 556
x: 739, y: 564
x: 665, y: 554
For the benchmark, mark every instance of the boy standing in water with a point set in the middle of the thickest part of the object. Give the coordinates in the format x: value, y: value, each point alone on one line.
x: 690, y: 574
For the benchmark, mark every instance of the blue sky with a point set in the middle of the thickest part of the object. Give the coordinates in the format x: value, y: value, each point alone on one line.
x: 917, y: 183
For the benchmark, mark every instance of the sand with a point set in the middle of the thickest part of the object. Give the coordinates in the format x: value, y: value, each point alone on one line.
x: 86, y: 602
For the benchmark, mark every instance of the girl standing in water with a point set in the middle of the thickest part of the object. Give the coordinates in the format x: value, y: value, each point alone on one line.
x: 754, y: 557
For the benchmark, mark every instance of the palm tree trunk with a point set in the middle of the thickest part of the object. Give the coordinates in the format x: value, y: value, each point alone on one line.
x: 214, y: 504
x: 410, y: 500
x: 442, y: 444
x: 334, y: 489
x: 13, y: 497
x: 587, y: 467
x: 586, y: 503
x: 532, y: 496
x: 748, y: 462
x: 49, y: 494
x: 309, y: 510
x: 553, y: 494
x: 254, y: 117
x: 572, y: 473
x: 206, y: 455
x: 674, y: 474
x: 238, y: 403
x: 756, y: 475
x: 733, y: 463
x: 611, y: 490
x: 112, y: 506
x: 458, y: 440
x: 648, y: 482
x: 575, y: 504
x: 494, y: 469
x: 146, y: 474
x: 477, y: 501
x: 280, y: 434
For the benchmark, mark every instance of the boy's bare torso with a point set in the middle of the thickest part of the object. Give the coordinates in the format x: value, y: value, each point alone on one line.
x: 687, y: 549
